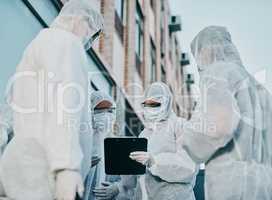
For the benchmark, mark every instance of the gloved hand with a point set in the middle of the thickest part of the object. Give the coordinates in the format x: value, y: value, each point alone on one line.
x: 107, y: 191
x: 95, y: 160
x: 142, y: 157
x: 68, y: 184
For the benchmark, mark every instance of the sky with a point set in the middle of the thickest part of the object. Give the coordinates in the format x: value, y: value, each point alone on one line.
x: 249, y: 22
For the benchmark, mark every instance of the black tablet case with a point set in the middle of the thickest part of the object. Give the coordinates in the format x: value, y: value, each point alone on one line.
x: 117, y: 161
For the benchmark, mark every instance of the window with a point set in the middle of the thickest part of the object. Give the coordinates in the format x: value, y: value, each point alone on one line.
x: 152, y: 62
x: 133, y: 125
x: 98, y: 78
x: 139, y: 35
x: 119, y: 7
x: 46, y: 9
x: 21, y: 21
x: 120, y: 17
x: 153, y: 4
x: 163, y: 74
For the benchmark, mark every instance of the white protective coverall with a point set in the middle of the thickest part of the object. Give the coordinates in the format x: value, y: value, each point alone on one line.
x: 102, y: 128
x: 231, y: 129
x: 52, y: 148
x: 172, y: 176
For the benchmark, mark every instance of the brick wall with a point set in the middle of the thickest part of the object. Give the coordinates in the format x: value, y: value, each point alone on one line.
x: 134, y: 83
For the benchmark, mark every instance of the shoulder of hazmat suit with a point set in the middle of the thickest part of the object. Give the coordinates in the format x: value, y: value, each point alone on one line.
x: 50, y: 100
x: 229, y: 130
x: 172, y: 176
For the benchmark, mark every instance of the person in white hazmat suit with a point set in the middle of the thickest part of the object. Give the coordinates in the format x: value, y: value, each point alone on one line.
x: 50, y: 154
x: 99, y: 185
x: 171, y: 173
x: 103, y: 118
x: 231, y: 129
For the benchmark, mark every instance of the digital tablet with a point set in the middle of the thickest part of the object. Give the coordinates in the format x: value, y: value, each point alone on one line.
x: 117, y: 151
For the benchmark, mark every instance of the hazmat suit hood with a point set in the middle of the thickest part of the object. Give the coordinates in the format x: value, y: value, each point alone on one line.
x: 98, y: 97
x: 158, y: 92
x: 78, y: 17
x: 214, y: 44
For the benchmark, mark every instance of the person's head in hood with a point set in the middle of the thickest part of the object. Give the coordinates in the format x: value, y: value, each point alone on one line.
x: 214, y: 44
x: 78, y: 17
x: 103, y: 112
x: 157, y: 104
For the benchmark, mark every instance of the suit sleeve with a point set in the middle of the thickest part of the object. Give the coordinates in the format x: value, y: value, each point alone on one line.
x: 177, y: 166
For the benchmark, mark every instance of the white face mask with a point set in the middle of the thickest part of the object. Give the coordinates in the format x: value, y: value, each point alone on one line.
x: 156, y: 114
x: 152, y: 114
x: 103, y: 122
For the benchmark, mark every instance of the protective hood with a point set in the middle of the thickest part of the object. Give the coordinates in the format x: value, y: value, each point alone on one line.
x: 78, y: 17
x: 158, y: 92
x: 98, y: 96
x: 214, y: 44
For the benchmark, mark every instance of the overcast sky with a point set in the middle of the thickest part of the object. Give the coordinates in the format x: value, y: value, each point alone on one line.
x: 249, y: 22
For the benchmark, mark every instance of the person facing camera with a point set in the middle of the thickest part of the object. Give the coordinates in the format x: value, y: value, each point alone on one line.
x: 170, y: 173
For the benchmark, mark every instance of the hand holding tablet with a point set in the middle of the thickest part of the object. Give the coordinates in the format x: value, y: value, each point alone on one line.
x: 122, y: 156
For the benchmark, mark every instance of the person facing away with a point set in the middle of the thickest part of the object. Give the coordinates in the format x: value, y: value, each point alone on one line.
x: 50, y: 154
x: 170, y: 171
x: 231, y: 129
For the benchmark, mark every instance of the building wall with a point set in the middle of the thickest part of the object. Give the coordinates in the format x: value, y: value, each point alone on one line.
x: 155, y: 19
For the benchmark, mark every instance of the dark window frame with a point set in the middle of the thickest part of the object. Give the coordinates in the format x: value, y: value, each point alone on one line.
x: 153, y: 64
x: 121, y: 16
x: 139, y: 23
x: 119, y: 27
x: 153, y: 5
x: 119, y: 20
x: 163, y: 74
x: 138, y: 64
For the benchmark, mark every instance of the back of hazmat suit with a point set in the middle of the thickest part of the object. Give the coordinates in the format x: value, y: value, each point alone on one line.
x: 50, y: 155
x: 102, y: 121
x: 172, y: 174
x: 231, y: 129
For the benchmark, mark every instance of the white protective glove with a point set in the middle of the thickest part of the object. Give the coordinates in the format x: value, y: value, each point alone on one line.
x: 106, y: 192
x: 68, y: 184
x: 143, y: 157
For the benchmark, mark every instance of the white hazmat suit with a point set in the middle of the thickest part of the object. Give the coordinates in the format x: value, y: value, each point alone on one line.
x: 170, y: 171
x: 231, y: 129
x: 51, y: 152
x: 103, y: 120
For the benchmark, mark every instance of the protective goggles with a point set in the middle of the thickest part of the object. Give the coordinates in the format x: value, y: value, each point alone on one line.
x: 103, y: 110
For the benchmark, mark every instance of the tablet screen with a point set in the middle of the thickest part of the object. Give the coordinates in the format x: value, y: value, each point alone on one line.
x: 117, y: 151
